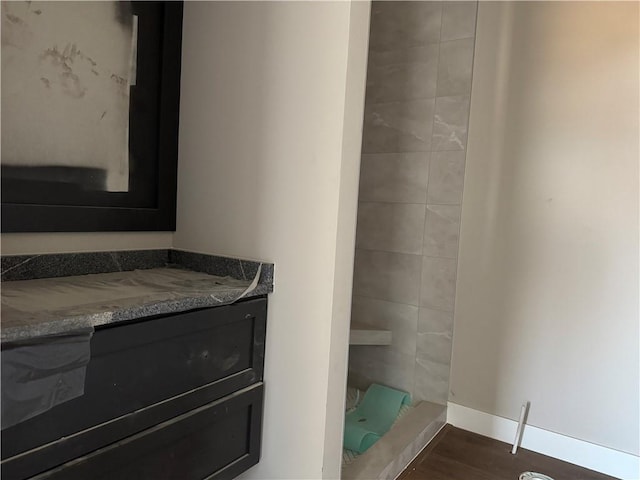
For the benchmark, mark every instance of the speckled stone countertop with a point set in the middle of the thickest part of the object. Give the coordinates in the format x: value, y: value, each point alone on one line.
x: 40, y: 307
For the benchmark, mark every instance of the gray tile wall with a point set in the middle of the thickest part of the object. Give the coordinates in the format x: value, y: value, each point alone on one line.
x: 411, y: 177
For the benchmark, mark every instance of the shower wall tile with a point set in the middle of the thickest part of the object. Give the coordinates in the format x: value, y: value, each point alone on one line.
x: 401, y: 75
x: 435, y: 321
x: 438, y: 283
x: 411, y: 179
x: 434, y: 348
x: 392, y: 227
x: 458, y: 20
x: 450, y: 122
x: 387, y: 276
x: 454, y: 67
x: 401, y: 319
x: 394, y: 177
x: 431, y: 382
x: 401, y: 24
x: 398, y: 127
x: 441, y: 231
x: 446, y: 178
x: 433, y: 360
x: 383, y: 365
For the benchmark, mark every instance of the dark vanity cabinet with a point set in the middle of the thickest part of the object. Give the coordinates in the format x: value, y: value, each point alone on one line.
x: 170, y: 397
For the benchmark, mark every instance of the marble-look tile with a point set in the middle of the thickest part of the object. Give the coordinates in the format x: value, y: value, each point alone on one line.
x: 399, y: 446
x: 400, y: 24
x: 387, y: 276
x: 425, y: 414
x: 458, y: 20
x: 441, y: 231
x: 431, y: 381
x: 398, y: 126
x: 446, y: 178
x: 403, y: 458
x: 392, y: 227
x: 401, y: 319
x: 433, y: 347
x: 436, y: 322
x: 454, y: 67
x: 394, y: 177
x: 433, y: 365
x: 401, y: 75
x: 450, y: 123
x: 438, y: 283
x: 383, y: 365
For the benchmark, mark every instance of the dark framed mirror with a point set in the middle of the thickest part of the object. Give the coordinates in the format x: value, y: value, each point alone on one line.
x: 90, y: 110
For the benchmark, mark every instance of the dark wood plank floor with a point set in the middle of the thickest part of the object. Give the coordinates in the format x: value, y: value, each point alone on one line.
x: 456, y: 454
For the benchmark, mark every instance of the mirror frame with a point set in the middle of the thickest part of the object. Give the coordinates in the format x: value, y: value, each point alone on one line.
x: 161, y: 215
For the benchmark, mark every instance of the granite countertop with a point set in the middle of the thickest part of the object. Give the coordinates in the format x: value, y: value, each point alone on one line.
x: 41, y: 307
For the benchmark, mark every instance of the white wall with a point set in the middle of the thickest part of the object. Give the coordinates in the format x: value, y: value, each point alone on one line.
x: 270, y: 127
x: 345, y: 236
x: 547, y: 293
x: 35, y: 243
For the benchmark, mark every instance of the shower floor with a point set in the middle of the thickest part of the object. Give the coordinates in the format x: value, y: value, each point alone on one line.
x: 353, y: 398
x: 412, y: 431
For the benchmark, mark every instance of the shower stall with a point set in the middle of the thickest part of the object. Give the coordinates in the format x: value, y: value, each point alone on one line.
x: 411, y: 177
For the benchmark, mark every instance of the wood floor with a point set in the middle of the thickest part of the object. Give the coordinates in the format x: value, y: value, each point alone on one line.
x: 460, y: 455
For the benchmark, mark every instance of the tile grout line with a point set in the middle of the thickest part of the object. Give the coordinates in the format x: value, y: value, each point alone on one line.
x: 437, y: 309
x: 403, y: 253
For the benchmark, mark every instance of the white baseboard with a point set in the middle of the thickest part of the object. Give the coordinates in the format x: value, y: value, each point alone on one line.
x: 588, y: 455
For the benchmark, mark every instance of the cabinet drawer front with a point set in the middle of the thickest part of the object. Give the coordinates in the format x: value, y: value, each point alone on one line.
x: 218, y: 440
x: 139, y: 364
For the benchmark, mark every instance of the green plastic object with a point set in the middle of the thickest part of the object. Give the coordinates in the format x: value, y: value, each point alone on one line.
x: 373, y: 417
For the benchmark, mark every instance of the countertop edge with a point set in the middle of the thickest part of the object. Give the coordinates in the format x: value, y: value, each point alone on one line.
x: 60, y: 265
x: 138, y: 312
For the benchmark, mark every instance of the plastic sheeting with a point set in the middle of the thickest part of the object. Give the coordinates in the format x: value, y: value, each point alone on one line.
x: 49, y: 306
x: 41, y: 373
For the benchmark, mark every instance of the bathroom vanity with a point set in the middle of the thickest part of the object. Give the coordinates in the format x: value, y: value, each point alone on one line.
x: 138, y: 385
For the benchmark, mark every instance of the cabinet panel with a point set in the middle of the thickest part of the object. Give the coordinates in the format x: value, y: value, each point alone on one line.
x: 136, y: 365
x: 46, y: 457
x: 218, y: 440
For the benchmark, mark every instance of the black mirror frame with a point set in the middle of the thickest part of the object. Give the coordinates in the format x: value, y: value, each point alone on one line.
x: 23, y: 217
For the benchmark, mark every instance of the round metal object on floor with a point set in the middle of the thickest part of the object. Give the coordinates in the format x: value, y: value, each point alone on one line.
x: 533, y: 476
